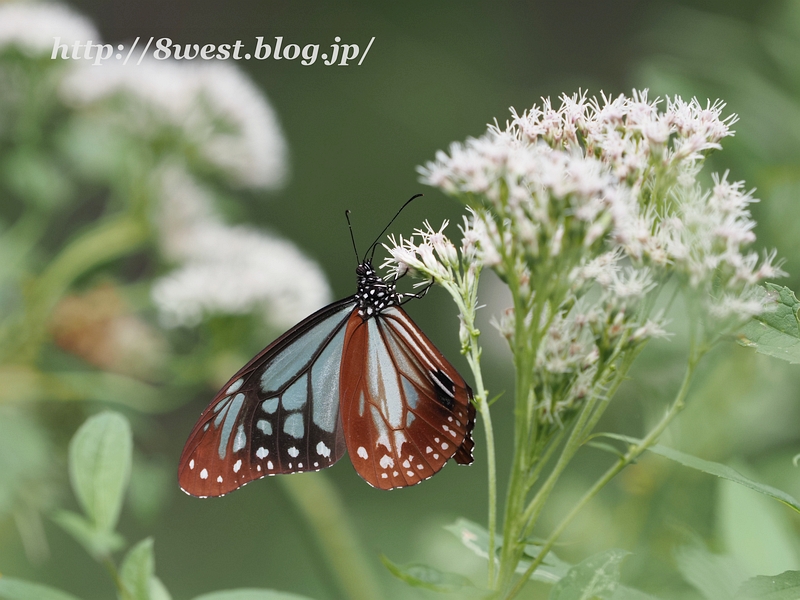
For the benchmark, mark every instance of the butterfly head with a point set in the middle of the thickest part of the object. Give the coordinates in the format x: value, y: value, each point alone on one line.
x: 374, y: 294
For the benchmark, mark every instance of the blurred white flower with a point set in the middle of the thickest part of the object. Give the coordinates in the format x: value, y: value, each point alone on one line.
x: 227, y: 269
x: 216, y: 107
x: 239, y: 270
x: 33, y: 27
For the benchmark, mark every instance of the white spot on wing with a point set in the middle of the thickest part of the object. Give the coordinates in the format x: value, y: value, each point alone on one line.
x: 191, y: 464
x: 362, y: 452
x: 262, y: 452
x: 293, y: 452
x: 323, y: 450
x: 386, y: 462
x: 219, y: 479
x: 204, y: 474
x: 237, y: 466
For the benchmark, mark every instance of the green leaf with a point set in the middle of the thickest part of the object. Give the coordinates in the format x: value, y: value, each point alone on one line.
x: 473, y: 536
x: 775, y: 333
x: 785, y: 586
x: 595, y: 577
x: 476, y: 538
x: 100, y: 466
x: 98, y: 542
x: 713, y: 468
x: 137, y: 570
x: 623, y: 592
x: 251, y: 594
x: 18, y: 589
x: 551, y: 570
x: 755, y: 531
x: 158, y: 591
x: 427, y: 577
x: 607, y: 447
x: 716, y: 577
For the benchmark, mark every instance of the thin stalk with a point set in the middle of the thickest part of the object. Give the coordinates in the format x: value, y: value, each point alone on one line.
x: 331, y: 526
x: 481, y: 399
x: 541, y: 461
x: 574, y: 442
x: 632, y: 454
x: 515, y: 498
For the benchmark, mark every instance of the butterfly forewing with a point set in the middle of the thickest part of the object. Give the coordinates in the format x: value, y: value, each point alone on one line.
x: 278, y: 414
x: 405, y: 409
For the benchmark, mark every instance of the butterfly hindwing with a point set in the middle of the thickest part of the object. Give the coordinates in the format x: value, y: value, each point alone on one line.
x: 405, y: 409
x: 278, y: 414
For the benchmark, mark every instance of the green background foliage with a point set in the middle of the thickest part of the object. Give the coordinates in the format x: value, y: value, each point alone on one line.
x: 437, y: 72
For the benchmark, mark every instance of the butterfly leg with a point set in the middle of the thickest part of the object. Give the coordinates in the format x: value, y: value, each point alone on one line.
x: 409, y: 296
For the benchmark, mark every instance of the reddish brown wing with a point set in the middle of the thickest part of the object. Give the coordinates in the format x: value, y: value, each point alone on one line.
x: 405, y: 409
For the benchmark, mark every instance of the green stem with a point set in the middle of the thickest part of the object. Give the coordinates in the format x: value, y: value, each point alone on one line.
x: 587, y: 420
x: 334, y: 533
x: 524, y: 430
x: 574, y: 442
x: 466, y: 300
x: 632, y: 454
x: 482, y: 401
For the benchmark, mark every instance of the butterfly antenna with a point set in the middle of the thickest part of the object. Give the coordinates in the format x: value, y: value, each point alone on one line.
x: 375, y: 243
x: 352, y: 237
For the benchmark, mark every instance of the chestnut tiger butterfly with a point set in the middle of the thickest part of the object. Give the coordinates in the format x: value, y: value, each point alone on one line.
x: 357, y: 375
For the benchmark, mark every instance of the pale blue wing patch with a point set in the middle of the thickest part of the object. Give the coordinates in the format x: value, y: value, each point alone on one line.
x: 295, y: 397
x: 231, y: 413
x: 293, y: 425
x: 296, y: 357
x: 270, y: 406
x: 325, y: 384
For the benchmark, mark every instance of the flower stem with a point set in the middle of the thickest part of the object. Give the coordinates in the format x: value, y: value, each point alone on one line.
x: 481, y: 399
x: 632, y: 454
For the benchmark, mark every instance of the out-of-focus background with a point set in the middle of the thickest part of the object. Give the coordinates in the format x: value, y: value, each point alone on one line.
x: 123, y: 192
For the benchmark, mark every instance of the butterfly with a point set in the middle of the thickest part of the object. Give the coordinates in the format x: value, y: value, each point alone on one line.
x: 356, y: 376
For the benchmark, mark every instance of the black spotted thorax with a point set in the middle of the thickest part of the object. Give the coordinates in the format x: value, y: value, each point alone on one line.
x: 374, y: 294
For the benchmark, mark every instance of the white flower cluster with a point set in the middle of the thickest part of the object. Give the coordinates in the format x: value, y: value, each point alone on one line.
x: 572, y: 175
x: 216, y: 108
x: 32, y: 27
x: 585, y: 211
x: 227, y: 269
